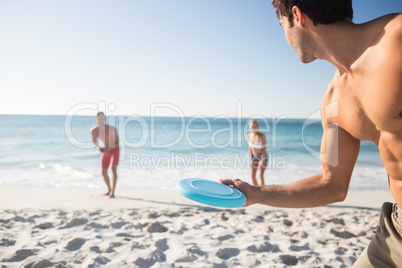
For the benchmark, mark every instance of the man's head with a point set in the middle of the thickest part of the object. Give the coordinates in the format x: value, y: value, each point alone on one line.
x: 319, y: 11
x: 300, y: 17
x: 100, y: 118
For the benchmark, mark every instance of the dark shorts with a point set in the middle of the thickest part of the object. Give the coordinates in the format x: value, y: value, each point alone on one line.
x: 110, y: 157
x: 258, y: 157
x: 385, y: 250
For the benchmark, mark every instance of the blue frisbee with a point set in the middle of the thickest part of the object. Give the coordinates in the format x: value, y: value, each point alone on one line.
x: 211, y: 193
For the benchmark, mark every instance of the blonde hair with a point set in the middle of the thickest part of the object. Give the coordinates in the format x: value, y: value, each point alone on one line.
x: 255, y: 122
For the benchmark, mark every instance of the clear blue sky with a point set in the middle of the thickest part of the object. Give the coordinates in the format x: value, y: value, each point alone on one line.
x: 202, y: 56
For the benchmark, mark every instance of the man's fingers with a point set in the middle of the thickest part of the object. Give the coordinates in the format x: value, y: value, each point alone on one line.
x: 230, y: 182
x: 227, y: 182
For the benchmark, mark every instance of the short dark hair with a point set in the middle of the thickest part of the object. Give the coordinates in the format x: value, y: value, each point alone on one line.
x: 254, y: 122
x: 319, y: 11
x: 100, y: 113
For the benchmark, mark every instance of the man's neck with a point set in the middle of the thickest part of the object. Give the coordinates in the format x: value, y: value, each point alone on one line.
x: 341, y: 43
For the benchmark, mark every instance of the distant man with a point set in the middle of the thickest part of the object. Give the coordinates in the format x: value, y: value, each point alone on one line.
x: 110, y: 153
x: 362, y: 102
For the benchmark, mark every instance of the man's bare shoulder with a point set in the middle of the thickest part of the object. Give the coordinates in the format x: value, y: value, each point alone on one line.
x: 389, y: 28
x: 389, y: 21
x: 394, y: 24
x: 393, y: 35
x: 111, y: 127
x: 94, y: 129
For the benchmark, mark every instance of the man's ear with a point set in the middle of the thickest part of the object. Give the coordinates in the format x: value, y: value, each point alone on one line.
x: 299, y: 16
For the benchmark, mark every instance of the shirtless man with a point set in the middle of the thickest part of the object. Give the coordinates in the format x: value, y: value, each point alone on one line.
x: 367, y: 92
x: 110, y: 153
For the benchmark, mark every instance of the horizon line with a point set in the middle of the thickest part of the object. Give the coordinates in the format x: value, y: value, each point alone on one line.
x: 169, y: 116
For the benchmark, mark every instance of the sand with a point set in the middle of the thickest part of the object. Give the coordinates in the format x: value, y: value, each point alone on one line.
x: 76, y: 227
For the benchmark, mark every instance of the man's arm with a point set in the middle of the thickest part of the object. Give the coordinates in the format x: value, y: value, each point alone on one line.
x: 331, y: 185
x: 95, y: 139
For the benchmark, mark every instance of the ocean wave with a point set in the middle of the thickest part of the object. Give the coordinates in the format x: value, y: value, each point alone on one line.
x: 165, y: 177
x: 66, y: 170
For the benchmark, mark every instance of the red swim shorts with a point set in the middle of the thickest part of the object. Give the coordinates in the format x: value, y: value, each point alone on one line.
x: 110, y: 157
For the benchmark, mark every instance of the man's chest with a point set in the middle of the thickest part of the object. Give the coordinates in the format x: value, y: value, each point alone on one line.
x: 360, y: 105
x: 104, y: 134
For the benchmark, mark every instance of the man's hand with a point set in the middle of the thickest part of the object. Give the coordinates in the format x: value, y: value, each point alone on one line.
x: 243, y: 187
x: 102, y: 150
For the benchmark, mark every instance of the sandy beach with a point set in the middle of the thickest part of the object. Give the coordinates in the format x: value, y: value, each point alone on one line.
x: 77, y: 227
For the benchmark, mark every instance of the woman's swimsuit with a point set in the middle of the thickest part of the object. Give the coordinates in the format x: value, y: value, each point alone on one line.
x: 258, y: 145
x: 257, y: 157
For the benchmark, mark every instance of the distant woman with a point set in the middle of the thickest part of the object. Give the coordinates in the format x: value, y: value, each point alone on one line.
x: 258, y: 153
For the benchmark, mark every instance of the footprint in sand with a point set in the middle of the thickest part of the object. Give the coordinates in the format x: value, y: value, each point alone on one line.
x: 186, y: 258
x: 337, y: 221
x: 153, y: 215
x: 119, y: 224
x: 259, y: 219
x: 97, y: 261
x: 75, y: 244
x: 128, y: 237
x: 227, y: 253
x: 75, y: 222
x: 4, y: 221
x: 112, y: 246
x: 48, y: 242
x: 116, y: 244
x: 97, y: 225
x: 180, y: 231
x: 154, y: 255
x: 157, y: 227
x: 299, y: 248
x: 196, y: 250
x: 4, y: 242
x: 137, y: 245
x: 95, y: 249
x: 224, y: 217
x: 172, y: 214
x: 46, y: 263
x: 45, y: 225
x: 32, y: 218
x: 342, y: 233
x: 95, y: 213
x: 287, y: 222
x: 191, y: 254
x: 341, y: 251
x: 264, y: 247
x: 225, y: 237
x: 21, y: 254
x: 289, y: 259
x: 19, y: 219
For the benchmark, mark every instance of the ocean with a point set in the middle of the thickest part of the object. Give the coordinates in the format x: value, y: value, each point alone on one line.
x: 57, y: 151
